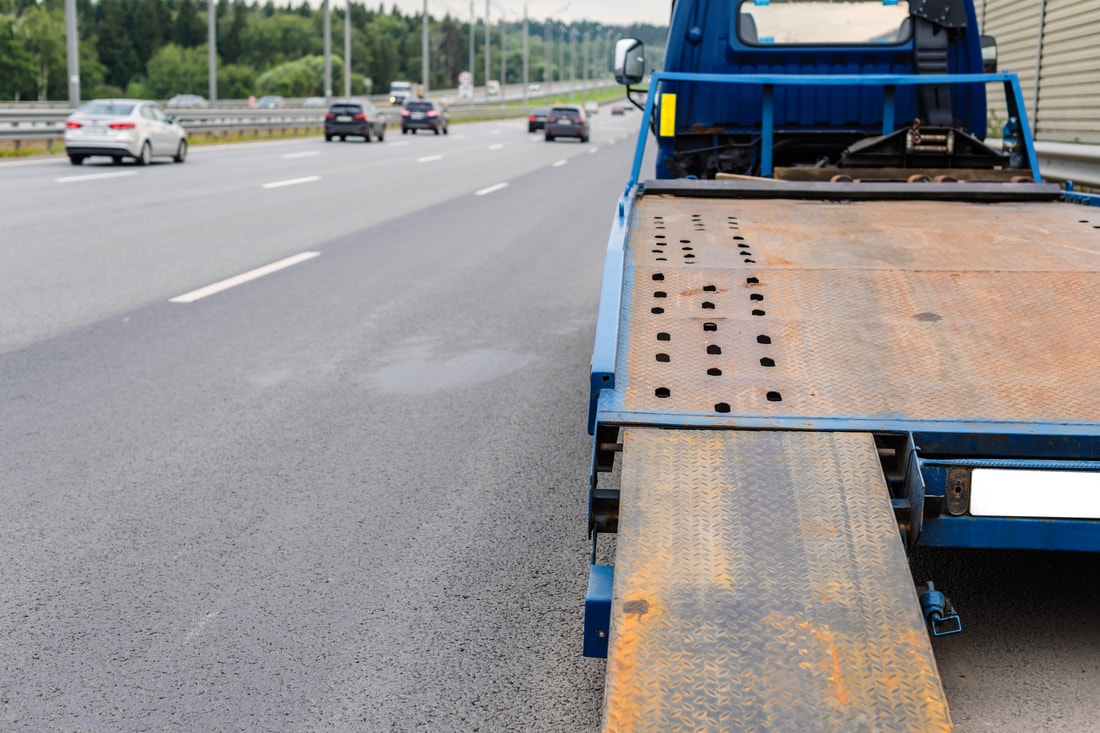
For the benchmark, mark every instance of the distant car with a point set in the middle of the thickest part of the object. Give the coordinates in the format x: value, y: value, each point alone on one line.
x: 424, y: 114
x: 313, y: 102
x: 591, y: 108
x: 354, y: 119
x: 534, y: 88
x: 492, y: 89
x: 184, y: 101
x: 567, y: 122
x: 123, y: 128
x: 618, y: 111
x: 403, y: 91
x: 537, y: 120
x: 270, y: 101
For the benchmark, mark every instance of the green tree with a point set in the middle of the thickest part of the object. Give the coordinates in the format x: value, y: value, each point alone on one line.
x: 231, y: 44
x: 236, y: 81
x: 115, y: 44
x: 147, y: 19
x: 43, y: 40
x: 174, y: 70
x: 304, y: 77
x: 189, y: 29
x: 16, y: 65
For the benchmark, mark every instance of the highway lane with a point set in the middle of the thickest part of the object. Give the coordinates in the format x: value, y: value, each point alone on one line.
x: 109, y: 244
x: 349, y: 495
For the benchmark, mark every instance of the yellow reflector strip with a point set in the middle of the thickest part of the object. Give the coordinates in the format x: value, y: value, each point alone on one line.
x: 668, y: 115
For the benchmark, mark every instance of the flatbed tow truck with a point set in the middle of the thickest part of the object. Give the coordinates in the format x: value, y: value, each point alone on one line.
x: 835, y: 327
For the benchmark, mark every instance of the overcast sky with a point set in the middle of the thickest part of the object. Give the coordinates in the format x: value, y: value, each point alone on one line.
x: 618, y: 12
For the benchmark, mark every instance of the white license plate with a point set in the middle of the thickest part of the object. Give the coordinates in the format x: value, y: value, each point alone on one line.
x: 1002, y: 492
x: 96, y: 130
x: 418, y: 116
x: 343, y: 118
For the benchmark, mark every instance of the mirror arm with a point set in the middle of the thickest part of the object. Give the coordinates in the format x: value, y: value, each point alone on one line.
x: 634, y: 101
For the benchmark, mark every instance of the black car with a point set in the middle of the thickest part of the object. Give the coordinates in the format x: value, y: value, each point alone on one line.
x: 537, y: 120
x: 567, y: 122
x: 354, y: 119
x: 423, y: 114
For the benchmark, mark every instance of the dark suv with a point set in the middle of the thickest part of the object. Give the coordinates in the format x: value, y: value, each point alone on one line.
x: 422, y: 114
x: 354, y: 119
x: 567, y: 122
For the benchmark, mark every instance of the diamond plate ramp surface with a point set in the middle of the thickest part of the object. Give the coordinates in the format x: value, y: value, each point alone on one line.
x: 760, y: 584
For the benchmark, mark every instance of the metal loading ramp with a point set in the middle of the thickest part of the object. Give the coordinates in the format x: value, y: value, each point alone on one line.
x: 761, y: 584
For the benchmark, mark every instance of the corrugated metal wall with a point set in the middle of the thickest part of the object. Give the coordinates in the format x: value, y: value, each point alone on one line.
x: 1069, y: 79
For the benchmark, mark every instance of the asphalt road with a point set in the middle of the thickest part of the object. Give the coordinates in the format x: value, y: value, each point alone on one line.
x: 350, y: 494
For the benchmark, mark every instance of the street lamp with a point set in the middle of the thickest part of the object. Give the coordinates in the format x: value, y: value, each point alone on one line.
x: 424, y: 52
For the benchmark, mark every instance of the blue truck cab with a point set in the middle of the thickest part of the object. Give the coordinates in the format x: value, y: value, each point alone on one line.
x: 718, y: 128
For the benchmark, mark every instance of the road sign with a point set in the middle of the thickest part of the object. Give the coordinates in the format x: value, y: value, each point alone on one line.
x: 466, y: 79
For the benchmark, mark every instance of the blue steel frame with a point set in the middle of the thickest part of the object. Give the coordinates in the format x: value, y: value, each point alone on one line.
x: 1064, y: 441
x: 1076, y: 197
x: 889, y: 82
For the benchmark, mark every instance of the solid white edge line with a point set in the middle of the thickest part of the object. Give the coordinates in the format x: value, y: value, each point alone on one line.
x: 559, y: 163
x: 490, y: 189
x: 498, y: 146
x: 94, y: 176
x: 291, y: 182
x: 593, y: 151
x: 306, y: 154
x: 429, y: 159
x: 243, y: 278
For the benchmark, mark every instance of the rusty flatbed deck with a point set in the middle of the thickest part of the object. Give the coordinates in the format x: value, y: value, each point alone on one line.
x: 903, y: 310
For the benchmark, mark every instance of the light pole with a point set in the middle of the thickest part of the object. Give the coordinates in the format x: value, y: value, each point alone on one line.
x: 525, y: 60
x: 347, y: 50
x: 424, y: 52
x: 488, y: 48
x: 212, y: 51
x: 328, y: 53
x: 73, y: 55
x: 473, y: 27
x: 561, y: 53
x: 573, y: 55
x: 503, y: 60
x: 586, y: 48
x: 548, y: 48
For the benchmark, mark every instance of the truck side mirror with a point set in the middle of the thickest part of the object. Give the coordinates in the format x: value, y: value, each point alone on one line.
x: 989, y: 54
x: 629, y: 61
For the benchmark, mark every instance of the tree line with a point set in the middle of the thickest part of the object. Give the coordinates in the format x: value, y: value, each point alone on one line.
x: 153, y: 49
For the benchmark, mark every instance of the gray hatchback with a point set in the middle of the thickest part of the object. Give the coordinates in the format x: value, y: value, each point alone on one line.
x: 567, y: 122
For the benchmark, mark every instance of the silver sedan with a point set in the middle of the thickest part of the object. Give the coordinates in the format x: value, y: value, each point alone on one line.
x: 123, y: 128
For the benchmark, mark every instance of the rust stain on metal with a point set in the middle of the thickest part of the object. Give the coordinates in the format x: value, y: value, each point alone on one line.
x: 883, y: 309
x: 763, y: 610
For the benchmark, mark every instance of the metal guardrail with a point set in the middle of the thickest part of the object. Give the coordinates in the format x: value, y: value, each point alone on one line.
x: 1060, y: 162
